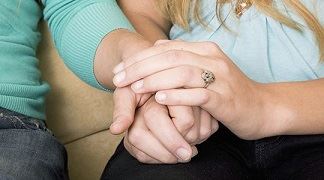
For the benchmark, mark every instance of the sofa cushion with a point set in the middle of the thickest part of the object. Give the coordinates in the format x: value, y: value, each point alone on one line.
x: 89, y: 156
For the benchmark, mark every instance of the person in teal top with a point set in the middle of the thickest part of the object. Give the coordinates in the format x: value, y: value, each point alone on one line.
x: 71, y: 24
x: 91, y: 36
x: 257, y: 68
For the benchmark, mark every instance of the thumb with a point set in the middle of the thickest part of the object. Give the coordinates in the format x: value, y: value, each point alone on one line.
x: 125, y: 103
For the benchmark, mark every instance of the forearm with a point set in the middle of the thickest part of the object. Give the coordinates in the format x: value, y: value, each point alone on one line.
x: 146, y: 19
x: 294, y: 108
x: 79, y: 28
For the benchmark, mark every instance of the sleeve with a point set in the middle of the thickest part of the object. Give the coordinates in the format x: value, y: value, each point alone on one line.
x: 78, y: 26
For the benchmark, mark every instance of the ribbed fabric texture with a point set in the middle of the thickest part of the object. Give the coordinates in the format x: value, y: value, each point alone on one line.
x: 86, y: 28
x: 77, y: 27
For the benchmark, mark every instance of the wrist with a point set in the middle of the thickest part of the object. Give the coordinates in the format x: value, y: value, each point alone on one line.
x: 130, y: 43
x: 275, y: 114
x: 116, y: 46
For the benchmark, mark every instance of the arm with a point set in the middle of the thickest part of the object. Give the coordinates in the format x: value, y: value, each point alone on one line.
x: 249, y: 109
x: 294, y: 108
x: 92, y: 37
x: 146, y: 18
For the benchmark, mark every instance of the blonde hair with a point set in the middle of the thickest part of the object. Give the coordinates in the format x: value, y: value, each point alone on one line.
x: 178, y: 12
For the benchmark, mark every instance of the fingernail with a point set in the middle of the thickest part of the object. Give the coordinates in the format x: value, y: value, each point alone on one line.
x: 119, y: 77
x: 115, y: 126
x: 194, y: 151
x: 118, y: 68
x: 160, y: 96
x: 215, y: 126
x: 183, y: 154
x: 137, y: 85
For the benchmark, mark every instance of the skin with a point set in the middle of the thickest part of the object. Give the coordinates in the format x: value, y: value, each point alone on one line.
x: 249, y: 109
x: 186, y: 122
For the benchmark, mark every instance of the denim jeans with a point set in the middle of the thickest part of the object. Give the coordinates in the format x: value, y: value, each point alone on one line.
x: 28, y: 150
x: 224, y: 156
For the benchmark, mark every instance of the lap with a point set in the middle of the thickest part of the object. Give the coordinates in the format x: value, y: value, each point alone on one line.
x: 224, y: 156
x: 29, y: 152
x: 298, y: 158
x: 214, y: 161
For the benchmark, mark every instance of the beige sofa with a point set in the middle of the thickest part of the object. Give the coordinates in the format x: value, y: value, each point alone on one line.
x: 78, y: 114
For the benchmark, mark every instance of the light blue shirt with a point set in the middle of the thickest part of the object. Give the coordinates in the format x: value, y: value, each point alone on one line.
x: 264, y: 49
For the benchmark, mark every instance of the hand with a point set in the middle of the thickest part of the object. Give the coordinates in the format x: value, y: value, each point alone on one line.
x: 233, y: 98
x: 194, y: 124
x: 154, y: 139
x: 125, y: 104
x: 115, y: 47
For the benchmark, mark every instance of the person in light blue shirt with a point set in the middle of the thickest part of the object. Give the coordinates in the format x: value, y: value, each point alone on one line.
x: 255, y: 66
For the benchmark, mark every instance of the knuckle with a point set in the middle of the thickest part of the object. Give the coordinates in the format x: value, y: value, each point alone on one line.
x: 212, y: 47
x: 185, y: 123
x: 142, y: 157
x: 188, y: 122
x: 205, y: 133
x: 134, y: 137
x: 224, y: 67
x: 215, y: 127
x: 185, y: 75
x: 174, y: 55
x: 204, y: 96
x: 150, y: 112
x: 192, y: 137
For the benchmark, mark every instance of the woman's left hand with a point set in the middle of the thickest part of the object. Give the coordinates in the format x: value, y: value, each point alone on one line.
x: 174, y: 69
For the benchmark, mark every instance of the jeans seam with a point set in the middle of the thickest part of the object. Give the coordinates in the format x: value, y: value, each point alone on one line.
x: 12, y: 121
x: 21, y: 122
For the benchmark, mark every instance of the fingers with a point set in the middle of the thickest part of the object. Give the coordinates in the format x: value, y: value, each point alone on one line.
x: 160, y: 62
x: 208, y: 49
x: 194, y: 123
x: 144, y: 158
x: 193, y: 135
x: 182, y: 76
x: 215, y: 125
x: 182, y: 117
x: 155, y: 142
x: 124, y: 110
x: 189, y: 97
x: 157, y: 117
x: 206, y: 99
x: 205, y: 126
x: 139, y: 155
x: 142, y: 138
x: 149, y: 145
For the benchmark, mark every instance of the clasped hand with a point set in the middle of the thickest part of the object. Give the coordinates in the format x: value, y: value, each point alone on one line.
x: 182, y: 112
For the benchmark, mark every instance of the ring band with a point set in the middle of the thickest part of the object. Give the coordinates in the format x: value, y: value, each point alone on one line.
x: 208, y: 78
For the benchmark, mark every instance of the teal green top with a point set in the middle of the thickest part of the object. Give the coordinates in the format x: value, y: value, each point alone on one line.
x: 77, y: 28
x: 261, y: 47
